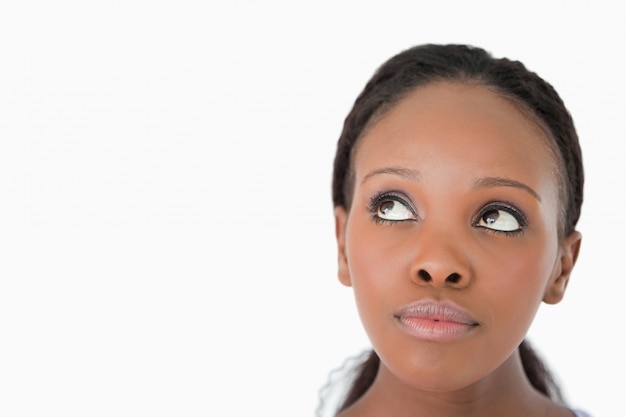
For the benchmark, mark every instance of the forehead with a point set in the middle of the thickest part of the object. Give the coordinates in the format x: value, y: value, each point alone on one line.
x: 459, y: 117
x: 460, y: 124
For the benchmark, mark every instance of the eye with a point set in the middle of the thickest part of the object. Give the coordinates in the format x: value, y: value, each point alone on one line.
x: 501, y: 218
x: 391, y: 208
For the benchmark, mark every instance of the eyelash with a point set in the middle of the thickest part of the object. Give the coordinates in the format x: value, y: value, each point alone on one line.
x: 519, y: 216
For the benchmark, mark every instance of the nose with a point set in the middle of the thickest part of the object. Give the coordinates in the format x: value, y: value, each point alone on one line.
x: 441, y: 264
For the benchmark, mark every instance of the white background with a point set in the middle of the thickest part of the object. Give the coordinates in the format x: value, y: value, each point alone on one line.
x: 166, y: 227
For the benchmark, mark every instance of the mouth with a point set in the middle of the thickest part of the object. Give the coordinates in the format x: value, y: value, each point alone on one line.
x: 437, y: 321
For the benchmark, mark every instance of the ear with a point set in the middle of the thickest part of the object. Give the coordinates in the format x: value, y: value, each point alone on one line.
x: 563, y: 269
x: 341, y: 221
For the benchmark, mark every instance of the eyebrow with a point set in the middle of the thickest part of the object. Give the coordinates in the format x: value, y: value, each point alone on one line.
x: 407, y: 173
x: 486, y: 182
x: 505, y: 182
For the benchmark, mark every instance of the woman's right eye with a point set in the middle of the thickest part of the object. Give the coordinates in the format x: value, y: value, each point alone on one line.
x: 393, y: 209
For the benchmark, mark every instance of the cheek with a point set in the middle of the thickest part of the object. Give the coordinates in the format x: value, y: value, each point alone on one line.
x: 518, y: 279
x: 377, y: 267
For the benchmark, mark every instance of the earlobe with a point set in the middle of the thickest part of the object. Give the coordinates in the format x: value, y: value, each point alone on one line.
x: 569, y: 254
x: 341, y: 220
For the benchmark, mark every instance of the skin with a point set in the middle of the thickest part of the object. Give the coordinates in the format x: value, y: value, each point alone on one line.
x: 445, y: 150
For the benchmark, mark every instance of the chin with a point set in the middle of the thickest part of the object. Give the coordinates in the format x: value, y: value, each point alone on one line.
x: 438, y: 376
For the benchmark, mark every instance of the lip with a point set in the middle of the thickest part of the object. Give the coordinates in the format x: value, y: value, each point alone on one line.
x: 436, y: 321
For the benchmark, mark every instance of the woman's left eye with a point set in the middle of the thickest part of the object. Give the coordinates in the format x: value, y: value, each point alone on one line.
x: 501, y: 219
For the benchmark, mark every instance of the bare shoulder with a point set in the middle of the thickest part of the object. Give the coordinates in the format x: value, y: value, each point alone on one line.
x: 562, y: 411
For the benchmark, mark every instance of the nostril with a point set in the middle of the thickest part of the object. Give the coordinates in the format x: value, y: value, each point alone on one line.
x: 423, y: 274
x: 453, y: 278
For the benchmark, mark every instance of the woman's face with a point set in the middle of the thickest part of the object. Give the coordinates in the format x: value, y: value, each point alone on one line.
x: 451, y: 241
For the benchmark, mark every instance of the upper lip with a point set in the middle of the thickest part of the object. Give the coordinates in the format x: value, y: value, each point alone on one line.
x: 437, y: 311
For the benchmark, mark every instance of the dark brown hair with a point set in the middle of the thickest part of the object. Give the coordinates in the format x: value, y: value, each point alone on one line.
x: 426, y: 64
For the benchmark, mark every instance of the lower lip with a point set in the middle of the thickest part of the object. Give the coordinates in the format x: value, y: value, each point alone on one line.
x: 435, y: 330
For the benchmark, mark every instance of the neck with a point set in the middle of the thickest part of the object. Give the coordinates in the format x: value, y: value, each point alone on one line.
x: 506, y: 391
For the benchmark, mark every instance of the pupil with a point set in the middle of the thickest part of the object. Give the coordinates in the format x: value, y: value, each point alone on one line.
x: 386, y: 207
x: 491, y: 217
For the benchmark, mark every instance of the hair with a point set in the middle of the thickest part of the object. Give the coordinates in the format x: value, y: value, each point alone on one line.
x: 427, y: 64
